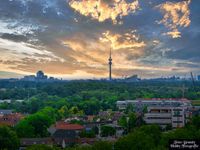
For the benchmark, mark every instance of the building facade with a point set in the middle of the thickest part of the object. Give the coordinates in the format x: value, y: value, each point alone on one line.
x: 139, y: 104
x: 198, y: 77
x: 65, y: 133
x: 174, y: 112
x: 174, y: 116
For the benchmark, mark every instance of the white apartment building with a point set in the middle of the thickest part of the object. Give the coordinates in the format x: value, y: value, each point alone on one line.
x: 174, y: 116
x: 174, y: 112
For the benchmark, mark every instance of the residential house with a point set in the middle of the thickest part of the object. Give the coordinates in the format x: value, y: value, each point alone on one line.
x: 65, y: 133
x: 10, y: 119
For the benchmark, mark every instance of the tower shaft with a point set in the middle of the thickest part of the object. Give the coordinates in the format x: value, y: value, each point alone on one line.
x: 110, y: 66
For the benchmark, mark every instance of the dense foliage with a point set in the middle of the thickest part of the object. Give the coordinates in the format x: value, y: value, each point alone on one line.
x: 36, y: 125
x: 45, y: 103
x: 87, y: 97
x: 8, y: 139
x: 99, y: 89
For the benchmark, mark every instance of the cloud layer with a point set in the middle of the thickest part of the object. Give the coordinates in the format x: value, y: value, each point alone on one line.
x: 176, y: 15
x: 102, y: 10
x: 122, y: 41
x: 72, y: 39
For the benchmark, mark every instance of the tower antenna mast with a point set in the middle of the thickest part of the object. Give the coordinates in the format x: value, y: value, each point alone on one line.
x: 110, y: 65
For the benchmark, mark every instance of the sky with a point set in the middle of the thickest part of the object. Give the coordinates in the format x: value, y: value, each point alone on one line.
x: 72, y: 38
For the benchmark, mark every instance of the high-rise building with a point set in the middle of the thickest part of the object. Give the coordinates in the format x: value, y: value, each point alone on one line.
x: 40, y: 74
x: 110, y: 66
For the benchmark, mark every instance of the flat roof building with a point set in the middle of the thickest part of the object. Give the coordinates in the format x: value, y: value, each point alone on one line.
x: 175, y: 116
x: 139, y: 104
x: 174, y: 112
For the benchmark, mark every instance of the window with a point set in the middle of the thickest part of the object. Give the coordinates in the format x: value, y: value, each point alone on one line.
x: 177, y: 109
x: 177, y: 115
x: 159, y: 118
x: 177, y: 121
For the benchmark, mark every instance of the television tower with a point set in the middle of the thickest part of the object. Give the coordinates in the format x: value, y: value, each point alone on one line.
x: 110, y: 66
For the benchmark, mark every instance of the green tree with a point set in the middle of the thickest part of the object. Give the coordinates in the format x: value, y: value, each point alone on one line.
x: 8, y: 139
x: 180, y: 133
x: 196, y: 121
x: 131, y: 121
x: 130, y: 108
x: 87, y: 134
x: 102, y: 145
x: 123, y: 121
x: 153, y: 131
x: 90, y: 107
x: 24, y: 129
x: 36, y: 125
x: 135, y: 141
x: 75, y: 111
x: 41, y: 147
x: 63, y: 112
x: 107, y: 131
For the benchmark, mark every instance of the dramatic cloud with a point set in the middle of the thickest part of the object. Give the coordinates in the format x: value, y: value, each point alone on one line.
x: 102, y: 10
x: 176, y: 15
x: 124, y: 41
x: 72, y: 38
x: 14, y: 54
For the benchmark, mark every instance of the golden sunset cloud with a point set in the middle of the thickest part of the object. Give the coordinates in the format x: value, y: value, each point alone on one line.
x: 124, y: 41
x: 176, y: 14
x: 102, y: 10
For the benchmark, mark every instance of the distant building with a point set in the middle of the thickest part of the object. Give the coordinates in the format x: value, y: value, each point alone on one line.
x: 5, y: 112
x: 174, y: 112
x: 10, y: 119
x: 198, y: 77
x: 6, y: 101
x: 40, y: 76
x: 195, y: 110
x: 174, y: 116
x: 29, y: 78
x: 139, y: 104
x: 65, y: 134
x: 166, y: 79
x: 132, y: 78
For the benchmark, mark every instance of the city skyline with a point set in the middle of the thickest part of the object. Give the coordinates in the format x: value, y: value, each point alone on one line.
x: 71, y: 39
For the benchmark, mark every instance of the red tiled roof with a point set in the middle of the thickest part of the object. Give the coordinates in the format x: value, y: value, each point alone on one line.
x: 67, y: 126
x: 11, y: 119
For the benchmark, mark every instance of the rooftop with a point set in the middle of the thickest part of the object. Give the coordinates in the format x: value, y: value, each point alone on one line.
x: 68, y: 126
x: 10, y: 119
x: 5, y: 111
x: 157, y: 99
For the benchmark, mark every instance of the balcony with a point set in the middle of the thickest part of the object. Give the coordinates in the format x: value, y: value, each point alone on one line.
x: 163, y: 115
x: 158, y: 121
